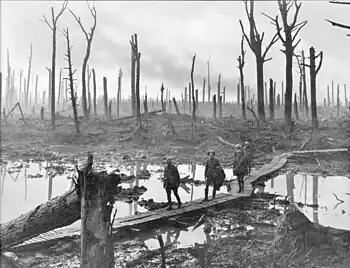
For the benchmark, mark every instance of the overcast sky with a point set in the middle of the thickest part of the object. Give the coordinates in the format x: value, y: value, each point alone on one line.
x: 169, y: 34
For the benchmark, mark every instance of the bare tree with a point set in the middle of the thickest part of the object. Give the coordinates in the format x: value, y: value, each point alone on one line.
x: 136, y: 55
x: 71, y: 81
x: 53, y: 27
x: 94, y: 85
x: 193, y: 99
x: 208, y: 81
x: 255, y: 43
x: 336, y: 24
x: 288, y: 42
x: 313, y: 73
x: 241, y: 63
x: 28, y: 78
x: 88, y: 36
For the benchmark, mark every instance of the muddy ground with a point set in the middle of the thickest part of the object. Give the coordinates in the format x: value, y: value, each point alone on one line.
x: 117, y: 142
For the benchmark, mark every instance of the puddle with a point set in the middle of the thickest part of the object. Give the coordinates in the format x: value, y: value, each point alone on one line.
x: 23, y: 186
x: 316, y: 197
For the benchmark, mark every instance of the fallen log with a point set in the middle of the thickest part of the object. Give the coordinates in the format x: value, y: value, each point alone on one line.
x: 226, y: 142
x: 56, y: 213
x: 131, y: 116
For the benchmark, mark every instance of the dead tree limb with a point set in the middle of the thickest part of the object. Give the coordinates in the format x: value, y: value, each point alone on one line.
x: 88, y: 36
x: 289, y: 43
x: 53, y: 27
x: 71, y: 80
x: 255, y: 41
x: 193, y: 99
x: 120, y: 76
x: 162, y: 98
x: 241, y: 63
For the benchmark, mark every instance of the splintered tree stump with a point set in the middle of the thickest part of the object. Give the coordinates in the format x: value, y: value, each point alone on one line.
x: 214, y: 106
x: 97, y: 199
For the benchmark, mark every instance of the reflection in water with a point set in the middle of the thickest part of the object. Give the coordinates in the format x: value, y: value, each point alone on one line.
x: 290, y: 186
x: 25, y: 184
x: 193, y: 167
x: 317, y: 195
x: 3, y: 177
x: 17, y: 199
x: 315, y: 198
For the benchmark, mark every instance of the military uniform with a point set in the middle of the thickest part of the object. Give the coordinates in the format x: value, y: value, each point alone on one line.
x: 214, y: 175
x: 241, y: 166
x: 172, y: 183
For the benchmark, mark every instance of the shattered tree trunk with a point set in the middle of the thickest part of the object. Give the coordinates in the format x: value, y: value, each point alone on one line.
x: 110, y: 110
x: 105, y: 96
x: 220, y: 107
x: 88, y: 89
x: 282, y: 93
x: 203, y: 94
x: 193, y: 99
x: 189, y: 97
x: 224, y: 100
x: 97, y: 199
x: 49, y: 95
x: 214, y: 106
x: 324, y: 103
x: 185, y: 100
x: 208, y: 82
x: 137, y: 89
x: 36, y: 90
x: 328, y: 97
x: 238, y: 95
x: 28, y: 77
x: 119, y: 92
x: 162, y: 98
x: 313, y: 74
x: 176, y: 107
x: 133, y: 66
x: 0, y: 96
x: 338, y: 100
x: 94, y: 85
x: 197, y: 106
x: 71, y: 82
x: 271, y: 110
x: 145, y: 107
x: 306, y: 104
x: 266, y: 95
x: 301, y: 91
x: 218, y: 94
x: 332, y: 93
x: 59, y: 90
x: 345, y: 97
x: 296, y: 107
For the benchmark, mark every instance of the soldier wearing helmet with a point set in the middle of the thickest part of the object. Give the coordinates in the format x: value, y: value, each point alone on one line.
x: 213, y: 174
x: 241, y: 164
x: 171, y: 182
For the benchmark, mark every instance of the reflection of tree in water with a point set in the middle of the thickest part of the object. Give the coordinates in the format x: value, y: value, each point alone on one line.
x: 305, y: 194
x: 193, y: 168
x: 25, y: 184
x: 3, y: 174
x: 290, y: 186
x: 315, y: 198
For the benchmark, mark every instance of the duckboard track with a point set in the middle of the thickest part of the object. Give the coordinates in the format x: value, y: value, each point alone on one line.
x: 159, y: 215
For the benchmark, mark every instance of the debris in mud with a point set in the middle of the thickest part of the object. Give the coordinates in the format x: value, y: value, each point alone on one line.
x: 34, y: 176
x: 151, y: 205
x: 130, y: 195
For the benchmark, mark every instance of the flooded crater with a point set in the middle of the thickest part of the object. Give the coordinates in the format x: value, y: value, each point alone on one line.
x: 324, y: 200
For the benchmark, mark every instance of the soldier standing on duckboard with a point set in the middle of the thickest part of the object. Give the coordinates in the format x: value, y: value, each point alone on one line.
x: 241, y: 166
x: 211, y: 173
x: 171, y: 183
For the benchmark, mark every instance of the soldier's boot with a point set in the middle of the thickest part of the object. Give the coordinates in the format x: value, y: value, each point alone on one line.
x: 242, y: 187
x: 206, y: 190
x: 170, y: 207
x: 214, y: 193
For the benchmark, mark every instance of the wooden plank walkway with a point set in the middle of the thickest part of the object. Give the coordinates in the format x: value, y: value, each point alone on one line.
x: 157, y: 215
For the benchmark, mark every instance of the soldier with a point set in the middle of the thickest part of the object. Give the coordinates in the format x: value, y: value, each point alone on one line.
x: 240, y: 169
x: 212, y: 172
x: 247, y: 152
x: 171, y: 183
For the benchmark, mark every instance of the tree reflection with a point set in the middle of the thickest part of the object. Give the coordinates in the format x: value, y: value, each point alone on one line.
x: 25, y: 184
x: 290, y: 186
x: 315, y: 198
x: 193, y: 168
x: 3, y: 177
